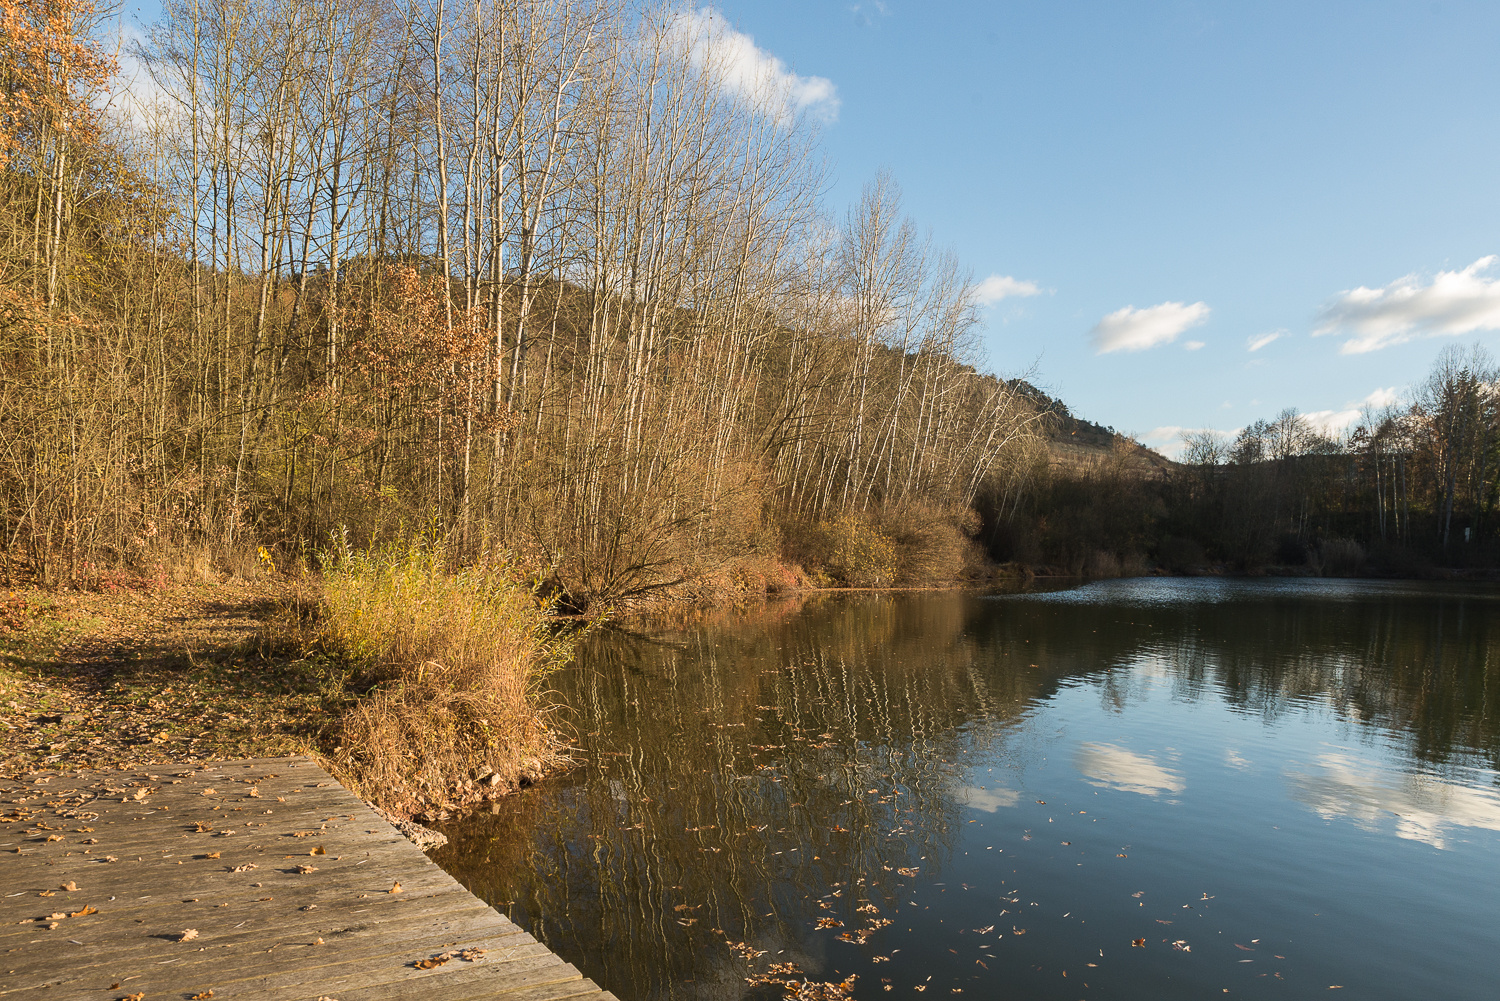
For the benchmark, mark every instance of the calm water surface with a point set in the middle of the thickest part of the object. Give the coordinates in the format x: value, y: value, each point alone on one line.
x: 1276, y: 787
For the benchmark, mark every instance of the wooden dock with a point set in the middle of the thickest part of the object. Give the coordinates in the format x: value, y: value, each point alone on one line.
x: 259, y: 879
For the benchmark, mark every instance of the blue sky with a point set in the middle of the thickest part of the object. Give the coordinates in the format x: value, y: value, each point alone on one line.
x: 1259, y: 159
x: 1178, y: 181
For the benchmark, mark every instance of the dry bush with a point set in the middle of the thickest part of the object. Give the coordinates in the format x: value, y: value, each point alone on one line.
x: 859, y: 555
x: 933, y: 546
x: 1340, y: 558
x: 454, y: 657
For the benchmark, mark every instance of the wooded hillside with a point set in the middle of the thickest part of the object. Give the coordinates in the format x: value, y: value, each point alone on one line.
x: 542, y: 277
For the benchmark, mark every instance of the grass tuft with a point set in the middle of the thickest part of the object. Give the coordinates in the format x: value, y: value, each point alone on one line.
x: 450, y: 661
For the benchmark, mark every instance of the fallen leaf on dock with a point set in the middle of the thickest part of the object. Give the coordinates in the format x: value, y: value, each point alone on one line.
x: 395, y: 888
x: 187, y: 934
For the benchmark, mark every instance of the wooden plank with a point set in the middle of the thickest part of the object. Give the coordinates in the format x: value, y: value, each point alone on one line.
x: 259, y: 919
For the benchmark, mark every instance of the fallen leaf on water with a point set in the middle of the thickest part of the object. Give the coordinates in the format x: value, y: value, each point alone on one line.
x: 1138, y: 943
x: 1245, y: 947
x: 187, y: 934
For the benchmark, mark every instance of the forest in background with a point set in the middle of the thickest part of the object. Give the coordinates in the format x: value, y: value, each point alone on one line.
x: 553, y: 282
x: 1407, y: 490
x: 545, y: 279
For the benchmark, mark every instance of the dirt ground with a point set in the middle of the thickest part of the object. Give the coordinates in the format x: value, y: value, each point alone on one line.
x: 137, y: 676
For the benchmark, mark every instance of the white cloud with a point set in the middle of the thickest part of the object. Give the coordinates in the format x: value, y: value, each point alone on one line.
x: 1333, y: 423
x: 997, y: 287
x: 1454, y: 303
x: 750, y: 71
x: 1111, y: 767
x: 1132, y: 329
x: 1261, y: 340
x: 1192, y: 345
x: 132, y: 96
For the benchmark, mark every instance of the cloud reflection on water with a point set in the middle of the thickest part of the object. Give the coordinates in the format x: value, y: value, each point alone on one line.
x: 1424, y: 806
x: 988, y: 800
x: 1111, y: 767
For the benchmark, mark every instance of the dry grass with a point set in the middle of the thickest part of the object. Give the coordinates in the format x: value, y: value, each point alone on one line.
x: 451, y: 661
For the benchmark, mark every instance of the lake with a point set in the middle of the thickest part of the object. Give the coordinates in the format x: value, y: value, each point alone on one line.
x: 1149, y: 788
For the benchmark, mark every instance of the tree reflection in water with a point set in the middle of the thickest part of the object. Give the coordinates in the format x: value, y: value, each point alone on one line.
x: 742, y: 776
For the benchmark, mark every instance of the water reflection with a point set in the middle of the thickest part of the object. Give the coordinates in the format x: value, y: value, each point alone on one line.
x: 1424, y: 807
x: 1111, y: 767
x: 784, y: 782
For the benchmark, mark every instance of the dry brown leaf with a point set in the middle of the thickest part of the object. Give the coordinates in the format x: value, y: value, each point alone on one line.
x: 204, y: 996
x: 305, y: 869
x: 395, y: 887
x: 212, y: 855
x: 318, y: 851
x: 70, y: 886
x: 87, y: 910
x: 187, y: 934
x: 432, y: 962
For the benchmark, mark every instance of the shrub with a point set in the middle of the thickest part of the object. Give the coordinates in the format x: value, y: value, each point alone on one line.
x: 859, y: 555
x: 451, y: 660
x: 1341, y: 557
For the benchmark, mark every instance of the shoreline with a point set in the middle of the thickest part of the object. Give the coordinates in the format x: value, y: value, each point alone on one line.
x: 184, y: 673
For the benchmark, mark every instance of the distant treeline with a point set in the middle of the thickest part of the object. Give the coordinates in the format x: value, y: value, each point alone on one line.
x: 1406, y: 489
